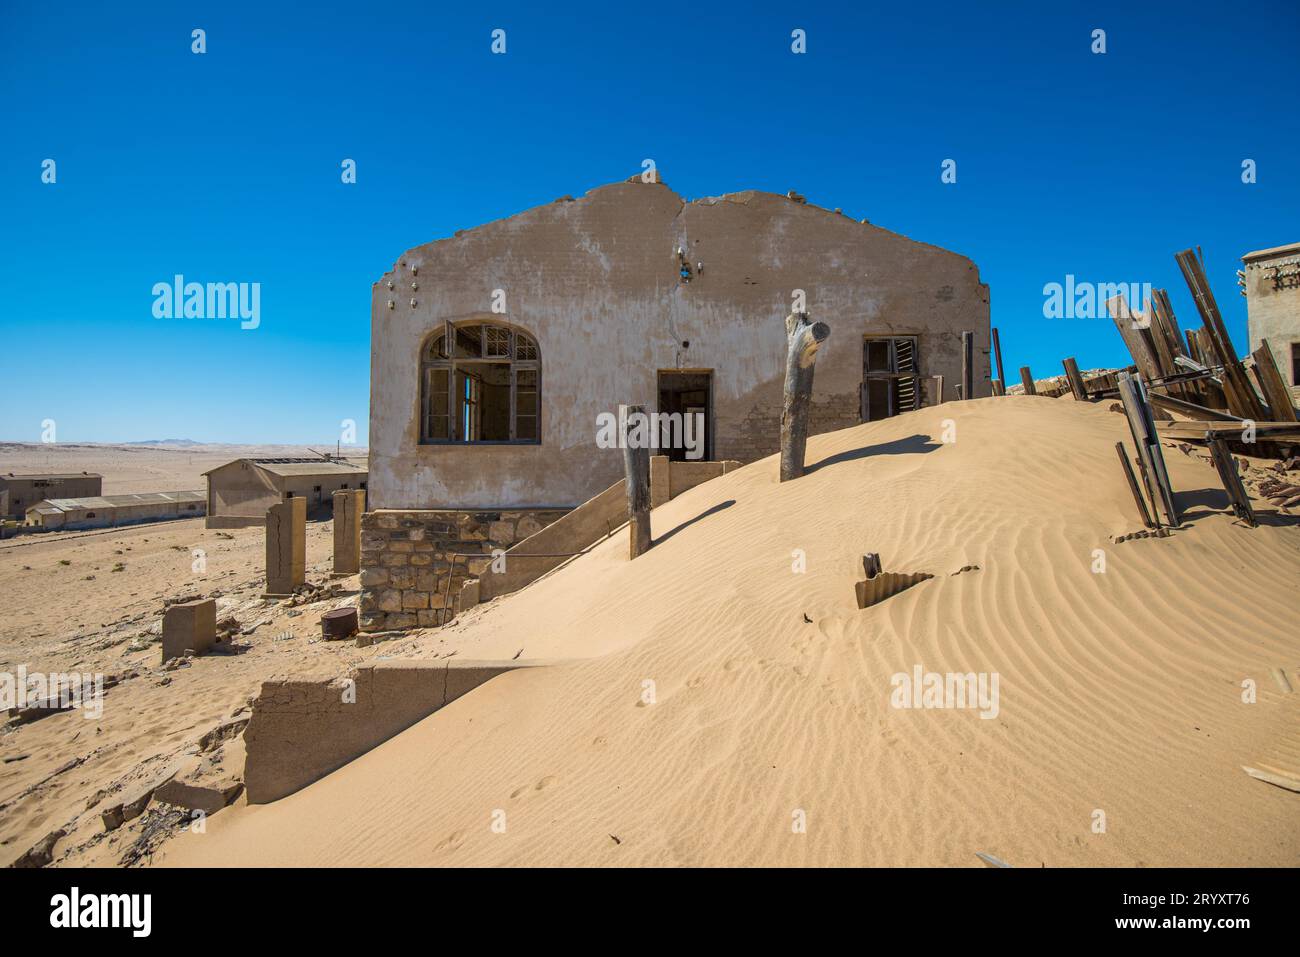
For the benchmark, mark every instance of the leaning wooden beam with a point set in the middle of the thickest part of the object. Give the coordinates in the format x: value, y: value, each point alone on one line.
x: 997, y: 354
x: 968, y: 365
x: 1242, y: 399
x: 803, y: 339
x: 1074, y: 379
x: 1027, y: 378
x: 1260, y: 431
x: 1190, y: 409
x: 1133, y: 486
x: 636, y: 464
x: 1150, y: 453
x: 1274, y: 388
x: 1135, y: 331
x: 997, y: 387
x: 1231, y: 478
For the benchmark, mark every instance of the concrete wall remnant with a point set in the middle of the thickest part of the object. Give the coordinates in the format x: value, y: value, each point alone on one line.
x: 302, y: 729
x: 286, y: 546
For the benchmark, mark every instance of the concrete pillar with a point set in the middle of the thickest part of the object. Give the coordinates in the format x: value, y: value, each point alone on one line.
x: 189, y: 626
x: 286, y: 546
x: 348, y: 506
x: 660, y: 487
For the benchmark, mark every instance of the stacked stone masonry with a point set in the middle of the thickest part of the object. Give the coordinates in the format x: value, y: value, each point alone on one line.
x: 408, y: 557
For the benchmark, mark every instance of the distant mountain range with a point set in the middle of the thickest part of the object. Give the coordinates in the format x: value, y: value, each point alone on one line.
x: 165, y: 442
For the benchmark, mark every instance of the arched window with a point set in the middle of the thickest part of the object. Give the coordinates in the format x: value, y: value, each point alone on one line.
x: 480, y: 382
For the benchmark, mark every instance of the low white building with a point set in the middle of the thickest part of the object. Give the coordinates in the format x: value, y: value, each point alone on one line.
x: 103, y: 511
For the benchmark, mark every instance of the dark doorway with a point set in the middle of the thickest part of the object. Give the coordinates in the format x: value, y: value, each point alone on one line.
x: 889, y: 377
x: 688, y: 393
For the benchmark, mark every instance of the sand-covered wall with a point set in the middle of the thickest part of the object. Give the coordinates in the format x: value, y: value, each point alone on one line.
x: 597, y: 281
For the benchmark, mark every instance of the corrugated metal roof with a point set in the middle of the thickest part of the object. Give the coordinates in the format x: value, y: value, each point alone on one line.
x: 311, y: 466
x: 116, y: 501
x: 318, y: 467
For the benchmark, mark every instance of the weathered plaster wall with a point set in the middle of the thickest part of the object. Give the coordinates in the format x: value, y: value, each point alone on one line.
x: 596, y: 281
x: 1273, y: 303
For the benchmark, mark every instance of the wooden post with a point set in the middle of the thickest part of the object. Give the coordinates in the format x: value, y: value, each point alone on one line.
x: 871, y: 564
x: 803, y: 339
x: 1133, y: 485
x: 1028, y: 381
x: 1231, y: 478
x: 1274, y: 387
x: 997, y: 354
x: 635, y: 427
x: 1150, y: 454
x: 997, y: 387
x: 968, y: 365
x: 1076, y: 381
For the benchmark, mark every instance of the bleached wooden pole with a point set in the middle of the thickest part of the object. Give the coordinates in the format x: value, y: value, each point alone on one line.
x: 803, y: 339
x: 636, y: 465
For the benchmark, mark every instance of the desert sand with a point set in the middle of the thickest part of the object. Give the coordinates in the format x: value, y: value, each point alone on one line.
x: 1121, y: 692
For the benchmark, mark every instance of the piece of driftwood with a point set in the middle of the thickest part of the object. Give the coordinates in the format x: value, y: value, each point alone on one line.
x: 636, y: 467
x: 1272, y: 384
x: 1277, y: 780
x: 1027, y: 380
x: 871, y: 564
x: 1133, y: 486
x: 1231, y: 478
x: 1147, y: 440
x: 803, y: 339
x: 968, y: 365
x: 1074, y: 379
x: 997, y: 354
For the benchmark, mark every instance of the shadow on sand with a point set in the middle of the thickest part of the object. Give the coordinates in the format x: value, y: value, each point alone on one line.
x: 907, y: 446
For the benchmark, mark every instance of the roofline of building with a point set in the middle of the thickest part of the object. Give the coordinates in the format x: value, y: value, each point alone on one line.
x: 1276, y: 251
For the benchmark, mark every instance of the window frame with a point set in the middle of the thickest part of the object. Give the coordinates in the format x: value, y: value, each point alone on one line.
x: 442, y: 360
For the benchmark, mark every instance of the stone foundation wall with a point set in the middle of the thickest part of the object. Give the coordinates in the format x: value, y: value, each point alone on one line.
x: 407, y: 556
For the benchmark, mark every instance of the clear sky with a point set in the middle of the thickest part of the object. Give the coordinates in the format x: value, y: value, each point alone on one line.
x: 225, y: 166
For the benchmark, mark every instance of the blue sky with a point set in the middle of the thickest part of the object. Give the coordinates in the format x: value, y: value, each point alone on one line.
x: 226, y: 167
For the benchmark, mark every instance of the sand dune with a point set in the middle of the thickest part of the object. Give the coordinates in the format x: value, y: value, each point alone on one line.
x: 1120, y: 692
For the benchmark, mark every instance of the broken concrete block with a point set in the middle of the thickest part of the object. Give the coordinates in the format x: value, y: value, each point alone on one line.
x: 222, y: 733
x: 207, y: 797
x: 42, y: 853
x: 286, y: 546
x: 189, y: 626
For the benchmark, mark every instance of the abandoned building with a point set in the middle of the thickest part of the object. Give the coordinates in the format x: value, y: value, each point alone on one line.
x: 104, y: 511
x: 1271, y: 284
x: 240, y: 492
x: 494, y: 352
x: 25, y: 490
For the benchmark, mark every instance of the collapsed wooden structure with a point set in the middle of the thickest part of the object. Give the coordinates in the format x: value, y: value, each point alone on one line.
x: 1189, y: 386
